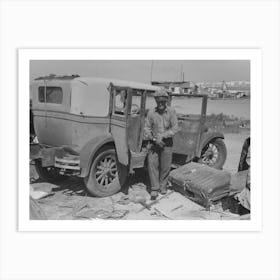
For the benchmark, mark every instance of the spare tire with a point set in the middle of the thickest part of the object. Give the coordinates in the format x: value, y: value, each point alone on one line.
x: 214, y: 153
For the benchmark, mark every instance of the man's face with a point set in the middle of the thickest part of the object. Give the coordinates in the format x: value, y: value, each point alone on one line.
x: 161, y: 103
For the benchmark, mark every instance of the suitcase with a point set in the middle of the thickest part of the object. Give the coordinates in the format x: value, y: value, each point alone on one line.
x: 201, y: 183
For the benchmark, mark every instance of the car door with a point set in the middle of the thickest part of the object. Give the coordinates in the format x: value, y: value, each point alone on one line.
x: 135, y: 119
x: 191, y: 126
x: 118, y: 121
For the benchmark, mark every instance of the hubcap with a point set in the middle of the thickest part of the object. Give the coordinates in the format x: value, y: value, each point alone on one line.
x: 211, y: 154
x: 106, y: 171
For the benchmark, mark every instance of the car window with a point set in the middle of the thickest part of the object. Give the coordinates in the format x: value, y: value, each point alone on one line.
x: 53, y: 95
x: 150, y: 101
x: 136, y: 101
x: 120, y: 101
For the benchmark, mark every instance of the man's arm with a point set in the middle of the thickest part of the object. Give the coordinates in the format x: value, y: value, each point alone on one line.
x: 174, y: 125
x: 148, y: 135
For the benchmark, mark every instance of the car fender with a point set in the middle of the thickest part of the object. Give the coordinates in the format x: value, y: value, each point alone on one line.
x: 207, y: 137
x: 89, y: 150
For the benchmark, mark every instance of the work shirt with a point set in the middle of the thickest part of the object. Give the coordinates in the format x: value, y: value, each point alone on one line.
x: 165, y: 124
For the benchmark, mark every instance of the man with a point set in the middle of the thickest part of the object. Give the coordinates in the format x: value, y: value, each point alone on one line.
x: 160, y: 127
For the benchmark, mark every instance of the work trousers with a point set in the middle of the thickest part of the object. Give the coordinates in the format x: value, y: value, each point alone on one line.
x: 159, y: 164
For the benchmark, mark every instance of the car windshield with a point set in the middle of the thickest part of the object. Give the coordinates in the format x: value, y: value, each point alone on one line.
x: 184, y: 105
x: 187, y: 105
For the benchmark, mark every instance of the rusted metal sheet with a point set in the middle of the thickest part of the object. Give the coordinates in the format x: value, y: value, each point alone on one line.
x: 185, y: 140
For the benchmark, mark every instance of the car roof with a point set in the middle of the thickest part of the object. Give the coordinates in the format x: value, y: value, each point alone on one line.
x: 92, y: 81
x: 115, y: 82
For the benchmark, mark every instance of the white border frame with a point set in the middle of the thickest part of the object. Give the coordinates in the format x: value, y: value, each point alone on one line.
x: 24, y: 57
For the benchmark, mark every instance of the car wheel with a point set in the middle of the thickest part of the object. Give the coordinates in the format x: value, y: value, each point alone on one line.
x: 103, y: 179
x: 50, y: 173
x: 214, y: 153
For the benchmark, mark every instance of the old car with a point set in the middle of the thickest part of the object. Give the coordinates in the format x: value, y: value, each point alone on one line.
x: 93, y: 128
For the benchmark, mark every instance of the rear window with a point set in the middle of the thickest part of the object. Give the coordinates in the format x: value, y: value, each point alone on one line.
x: 53, y: 95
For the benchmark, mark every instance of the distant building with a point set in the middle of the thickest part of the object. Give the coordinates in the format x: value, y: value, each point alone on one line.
x: 243, y: 94
x: 231, y: 89
x: 184, y: 87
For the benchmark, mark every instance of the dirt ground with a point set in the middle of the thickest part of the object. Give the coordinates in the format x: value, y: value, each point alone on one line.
x: 69, y: 200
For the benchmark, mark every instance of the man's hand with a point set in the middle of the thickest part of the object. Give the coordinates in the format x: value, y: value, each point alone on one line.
x: 159, y: 141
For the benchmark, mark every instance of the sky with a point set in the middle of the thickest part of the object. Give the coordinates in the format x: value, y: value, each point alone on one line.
x: 147, y: 70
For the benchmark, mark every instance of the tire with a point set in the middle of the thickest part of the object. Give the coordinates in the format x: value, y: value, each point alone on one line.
x: 214, y: 153
x: 49, y: 174
x: 103, y: 178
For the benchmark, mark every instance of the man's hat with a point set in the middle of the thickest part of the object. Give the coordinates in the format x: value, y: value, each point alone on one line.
x: 161, y: 94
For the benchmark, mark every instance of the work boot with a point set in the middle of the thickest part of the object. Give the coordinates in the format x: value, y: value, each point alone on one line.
x: 154, y: 195
x: 163, y: 190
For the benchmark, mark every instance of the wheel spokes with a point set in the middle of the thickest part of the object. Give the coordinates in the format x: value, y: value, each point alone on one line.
x: 99, y: 172
x: 106, y: 171
x: 210, y: 154
x: 102, y: 180
x: 98, y: 178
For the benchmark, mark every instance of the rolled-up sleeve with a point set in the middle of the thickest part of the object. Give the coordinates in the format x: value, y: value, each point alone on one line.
x: 148, y: 127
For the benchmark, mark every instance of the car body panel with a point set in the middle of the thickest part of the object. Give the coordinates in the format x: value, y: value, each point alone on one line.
x: 89, y: 151
x: 191, y: 128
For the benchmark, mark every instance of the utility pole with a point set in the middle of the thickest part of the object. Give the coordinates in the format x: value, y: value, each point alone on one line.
x: 152, y: 66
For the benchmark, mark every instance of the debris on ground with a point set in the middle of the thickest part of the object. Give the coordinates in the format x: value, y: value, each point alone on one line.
x: 149, y: 205
x: 70, y: 201
x: 137, y: 194
x: 35, y: 211
x: 37, y: 194
x: 101, y: 214
x: 175, y: 206
x: 158, y: 213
